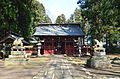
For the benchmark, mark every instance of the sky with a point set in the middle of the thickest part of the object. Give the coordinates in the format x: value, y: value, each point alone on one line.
x: 57, y: 7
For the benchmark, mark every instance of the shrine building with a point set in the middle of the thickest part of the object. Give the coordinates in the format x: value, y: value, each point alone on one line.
x: 60, y: 38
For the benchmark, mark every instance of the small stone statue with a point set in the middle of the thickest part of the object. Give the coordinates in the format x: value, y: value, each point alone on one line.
x: 99, y: 50
x: 18, y: 42
x: 98, y: 44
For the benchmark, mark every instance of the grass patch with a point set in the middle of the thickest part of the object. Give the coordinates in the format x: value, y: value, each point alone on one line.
x: 76, y: 60
x: 40, y: 59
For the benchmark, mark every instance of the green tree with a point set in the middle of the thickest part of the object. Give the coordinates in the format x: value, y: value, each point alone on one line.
x: 102, y: 15
x: 24, y: 17
x: 71, y: 19
x: 38, y: 15
x: 15, y: 16
x: 61, y: 19
x: 8, y: 15
x: 47, y: 19
x: 21, y: 16
x: 76, y: 17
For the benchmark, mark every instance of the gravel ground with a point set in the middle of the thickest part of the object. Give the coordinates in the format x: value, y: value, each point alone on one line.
x: 57, y: 67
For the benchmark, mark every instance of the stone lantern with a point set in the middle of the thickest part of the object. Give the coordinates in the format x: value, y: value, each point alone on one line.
x: 39, y: 48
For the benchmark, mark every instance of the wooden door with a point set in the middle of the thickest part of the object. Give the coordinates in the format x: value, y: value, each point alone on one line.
x: 69, y: 46
x: 49, y: 48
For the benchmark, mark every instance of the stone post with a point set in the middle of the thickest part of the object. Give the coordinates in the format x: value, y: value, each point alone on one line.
x: 39, y: 48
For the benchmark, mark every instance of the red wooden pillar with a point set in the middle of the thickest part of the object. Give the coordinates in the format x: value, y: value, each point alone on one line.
x: 52, y: 52
x: 65, y: 45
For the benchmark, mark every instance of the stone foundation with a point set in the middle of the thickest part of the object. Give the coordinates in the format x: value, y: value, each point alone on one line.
x: 16, y: 58
x: 99, y: 62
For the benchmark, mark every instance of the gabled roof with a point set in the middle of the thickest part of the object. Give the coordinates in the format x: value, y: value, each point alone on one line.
x: 59, y: 30
x: 12, y: 37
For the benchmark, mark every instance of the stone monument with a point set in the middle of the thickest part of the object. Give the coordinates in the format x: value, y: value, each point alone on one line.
x: 18, y: 55
x: 99, y: 59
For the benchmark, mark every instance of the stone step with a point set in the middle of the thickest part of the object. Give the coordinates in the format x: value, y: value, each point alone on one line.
x: 18, y: 56
x: 17, y: 53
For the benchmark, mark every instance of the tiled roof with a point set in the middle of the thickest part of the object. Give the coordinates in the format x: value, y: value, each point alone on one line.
x: 59, y: 30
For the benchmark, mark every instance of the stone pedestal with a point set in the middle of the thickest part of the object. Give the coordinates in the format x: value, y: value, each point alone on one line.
x: 16, y: 58
x: 99, y: 51
x: 99, y: 62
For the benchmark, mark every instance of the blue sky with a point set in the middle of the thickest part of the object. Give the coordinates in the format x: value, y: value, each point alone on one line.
x: 57, y: 7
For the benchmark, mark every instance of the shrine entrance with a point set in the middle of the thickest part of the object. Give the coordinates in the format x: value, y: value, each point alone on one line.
x: 59, y: 45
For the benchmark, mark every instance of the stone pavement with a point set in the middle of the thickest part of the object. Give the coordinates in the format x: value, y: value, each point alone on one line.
x: 57, y: 68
